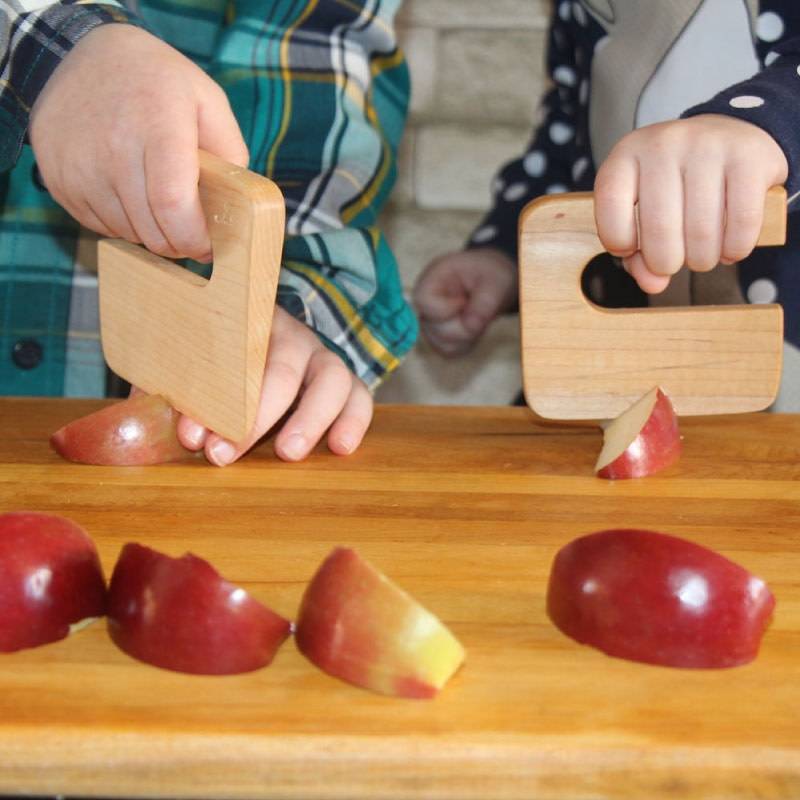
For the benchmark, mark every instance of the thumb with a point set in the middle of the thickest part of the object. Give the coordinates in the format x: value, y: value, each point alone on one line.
x: 483, y: 305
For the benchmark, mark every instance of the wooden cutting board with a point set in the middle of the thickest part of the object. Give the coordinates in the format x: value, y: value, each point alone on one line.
x: 465, y: 508
x: 580, y: 361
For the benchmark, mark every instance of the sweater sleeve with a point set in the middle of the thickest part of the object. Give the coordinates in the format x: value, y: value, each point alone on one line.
x: 558, y: 157
x: 34, y: 38
x: 770, y: 100
x: 321, y: 96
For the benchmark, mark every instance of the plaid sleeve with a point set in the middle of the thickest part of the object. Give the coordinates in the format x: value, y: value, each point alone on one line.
x: 34, y: 36
x: 320, y: 90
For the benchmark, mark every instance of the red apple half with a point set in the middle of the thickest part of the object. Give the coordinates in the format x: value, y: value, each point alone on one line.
x: 355, y: 624
x: 139, y: 431
x: 50, y: 579
x: 650, y: 597
x: 642, y: 440
x: 180, y: 614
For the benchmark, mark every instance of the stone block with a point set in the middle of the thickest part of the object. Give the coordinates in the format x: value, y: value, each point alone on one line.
x: 421, y: 46
x: 418, y: 236
x: 454, y: 164
x: 490, y: 76
x: 490, y: 375
x: 511, y: 14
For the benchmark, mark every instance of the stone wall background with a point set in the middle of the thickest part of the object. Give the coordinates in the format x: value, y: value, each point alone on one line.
x: 477, y: 71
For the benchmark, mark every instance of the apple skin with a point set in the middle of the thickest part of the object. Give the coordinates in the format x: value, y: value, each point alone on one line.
x: 656, y: 446
x: 139, y: 431
x: 180, y: 614
x: 650, y: 597
x: 50, y: 579
x: 355, y: 624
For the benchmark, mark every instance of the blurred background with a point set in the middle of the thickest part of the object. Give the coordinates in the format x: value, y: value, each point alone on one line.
x: 477, y: 72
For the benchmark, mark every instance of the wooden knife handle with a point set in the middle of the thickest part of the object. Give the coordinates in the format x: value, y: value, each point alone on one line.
x: 580, y: 361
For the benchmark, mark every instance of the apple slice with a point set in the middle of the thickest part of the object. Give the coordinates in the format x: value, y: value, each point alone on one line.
x: 642, y: 440
x: 355, y: 624
x: 650, y: 597
x: 180, y: 614
x: 139, y: 431
x: 50, y: 579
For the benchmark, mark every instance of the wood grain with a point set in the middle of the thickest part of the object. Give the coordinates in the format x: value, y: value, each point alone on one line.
x: 465, y: 508
x: 200, y: 343
x: 580, y: 361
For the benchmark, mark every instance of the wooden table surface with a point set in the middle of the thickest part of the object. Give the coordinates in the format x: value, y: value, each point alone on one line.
x: 465, y: 508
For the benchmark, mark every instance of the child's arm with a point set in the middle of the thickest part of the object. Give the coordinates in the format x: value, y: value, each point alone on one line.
x: 700, y: 182
x: 459, y: 294
x: 343, y: 324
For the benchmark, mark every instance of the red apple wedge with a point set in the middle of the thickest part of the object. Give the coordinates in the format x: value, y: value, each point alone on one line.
x: 646, y: 596
x: 50, y: 579
x: 139, y: 431
x: 355, y: 624
x: 180, y: 614
x: 642, y: 440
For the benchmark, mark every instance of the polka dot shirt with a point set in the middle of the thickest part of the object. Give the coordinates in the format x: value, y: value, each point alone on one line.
x: 558, y: 157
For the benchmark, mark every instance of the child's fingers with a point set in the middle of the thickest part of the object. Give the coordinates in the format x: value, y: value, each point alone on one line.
x: 283, y: 377
x: 218, y: 131
x: 661, y: 220
x: 132, y: 189
x: 171, y: 174
x: 648, y: 281
x: 192, y: 435
x: 328, y: 386
x: 744, y: 214
x: 347, y: 433
x: 615, y: 196
x: 704, y: 211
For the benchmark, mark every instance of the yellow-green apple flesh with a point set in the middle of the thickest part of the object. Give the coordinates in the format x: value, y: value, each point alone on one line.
x: 355, y: 624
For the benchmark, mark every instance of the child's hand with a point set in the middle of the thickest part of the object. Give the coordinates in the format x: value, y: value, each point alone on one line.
x: 116, y: 131
x: 700, y: 185
x: 331, y: 399
x: 460, y: 293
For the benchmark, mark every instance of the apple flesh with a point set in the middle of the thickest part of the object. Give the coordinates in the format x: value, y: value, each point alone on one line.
x: 650, y: 597
x: 355, y: 624
x: 642, y: 440
x: 180, y: 614
x: 50, y: 579
x: 139, y: 431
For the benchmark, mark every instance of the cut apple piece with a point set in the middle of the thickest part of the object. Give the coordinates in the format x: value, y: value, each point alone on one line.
x: 180, y: 614
x: 642, y: 440
x: 650, y: 597
x: 50, y: 579
x: 139, y: 431
x: 355, y: 624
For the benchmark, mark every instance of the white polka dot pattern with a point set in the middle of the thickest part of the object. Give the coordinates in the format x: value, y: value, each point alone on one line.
x: 484, y: 234
x: 535, y: 163
x: 746, y: 101
x: 771, y: 58
x: 561, y: 133
x: 579, y: 12
x: 515, y: 192
x: 769, y: 27
x: 579, y: 167
x: 556, y: 188
x: 564, y: 75
x: 762, y: 290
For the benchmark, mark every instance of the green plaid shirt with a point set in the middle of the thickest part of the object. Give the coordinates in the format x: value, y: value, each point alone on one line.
x: 320, y: 91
